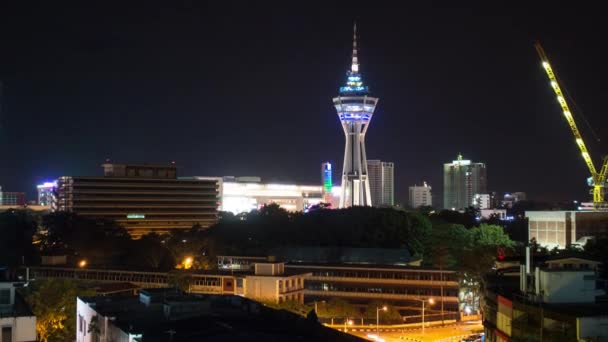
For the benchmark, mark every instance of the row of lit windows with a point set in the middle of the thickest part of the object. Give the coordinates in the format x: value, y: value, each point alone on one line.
x: 388, y: 275
x: 412, y: 291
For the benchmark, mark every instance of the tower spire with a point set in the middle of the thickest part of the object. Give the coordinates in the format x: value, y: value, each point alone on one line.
x: 355, y: 65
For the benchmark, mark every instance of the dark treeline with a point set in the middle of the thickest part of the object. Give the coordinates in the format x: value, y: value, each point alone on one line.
x: 261, y: 230
x: 442, y: 239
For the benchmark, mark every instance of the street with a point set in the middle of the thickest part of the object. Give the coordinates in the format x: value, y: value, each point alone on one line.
x: 447, y: 333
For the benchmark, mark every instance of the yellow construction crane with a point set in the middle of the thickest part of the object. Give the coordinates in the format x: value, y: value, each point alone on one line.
x: 598, y: 179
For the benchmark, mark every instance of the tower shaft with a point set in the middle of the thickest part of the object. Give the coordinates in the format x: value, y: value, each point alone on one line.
x: 355, y: 110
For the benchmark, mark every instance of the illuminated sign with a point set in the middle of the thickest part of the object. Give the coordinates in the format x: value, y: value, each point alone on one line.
x: 136, y: 216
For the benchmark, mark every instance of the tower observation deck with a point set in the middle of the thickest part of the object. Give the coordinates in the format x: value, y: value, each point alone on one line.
x: 355, y: 109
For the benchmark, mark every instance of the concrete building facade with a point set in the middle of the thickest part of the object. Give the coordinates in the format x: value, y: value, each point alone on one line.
x: 381, y: 182
x: 142, y: 198
x: 564, y: 228
x: 420, y: 196
x: 17, y: 322
x: 462, y: 179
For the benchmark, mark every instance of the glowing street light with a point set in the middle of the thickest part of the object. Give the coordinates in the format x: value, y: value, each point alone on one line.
x: 384, y: 308
x: 431, y: 301
x: 349, y: 322
x: 82, y: 263
x: 188, y: 263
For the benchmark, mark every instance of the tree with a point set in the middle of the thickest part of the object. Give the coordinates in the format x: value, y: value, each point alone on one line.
x: 17, y: 228
x: 149, y: 252
x: 100, y: 241
x: 53, y: 301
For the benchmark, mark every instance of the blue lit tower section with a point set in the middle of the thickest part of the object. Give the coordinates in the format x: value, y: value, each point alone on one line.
x: 355, y: 109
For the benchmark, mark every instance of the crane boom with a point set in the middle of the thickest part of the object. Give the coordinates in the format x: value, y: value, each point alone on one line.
x: 598, y: 178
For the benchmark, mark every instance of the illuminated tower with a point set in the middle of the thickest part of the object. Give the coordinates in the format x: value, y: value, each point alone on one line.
x: 355, y: 109
x: 326, y: 179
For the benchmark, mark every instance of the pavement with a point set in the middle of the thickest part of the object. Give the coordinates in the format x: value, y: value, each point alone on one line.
x: 448, y: 333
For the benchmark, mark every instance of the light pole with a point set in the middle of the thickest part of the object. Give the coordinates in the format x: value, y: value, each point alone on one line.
x: 384, y: 308
x: 431, y: 301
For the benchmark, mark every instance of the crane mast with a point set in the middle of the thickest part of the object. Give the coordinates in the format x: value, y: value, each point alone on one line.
x: 598, y: 179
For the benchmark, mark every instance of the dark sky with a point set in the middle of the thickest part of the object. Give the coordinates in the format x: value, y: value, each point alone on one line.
x: 245, y: 88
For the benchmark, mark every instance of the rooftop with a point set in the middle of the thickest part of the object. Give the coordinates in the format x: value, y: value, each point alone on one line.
x: 220, y: 318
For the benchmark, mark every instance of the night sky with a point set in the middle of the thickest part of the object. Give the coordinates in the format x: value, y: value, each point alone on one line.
x: 245, y: 88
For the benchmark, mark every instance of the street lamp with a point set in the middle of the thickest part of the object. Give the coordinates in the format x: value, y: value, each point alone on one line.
x: 384, y: 308
x: 347, y: 321
x: 82, y: 263
x: 431, y: 301
x: 188, y: 263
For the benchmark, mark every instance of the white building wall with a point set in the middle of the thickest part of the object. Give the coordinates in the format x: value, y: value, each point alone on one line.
x: 23, y: 328
x: 262, y: 288
x: 381, y: 181
x: 568, y: 286
x: 592, y: 328
x: 420, y: 196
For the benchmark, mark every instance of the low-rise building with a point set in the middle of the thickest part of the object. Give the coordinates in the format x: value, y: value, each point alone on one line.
x: 364, y: 275
x: 501, y: 214
x: 557, y: 299
x: 170, y: 315
x: 270, y: 283
x: 17, y: 322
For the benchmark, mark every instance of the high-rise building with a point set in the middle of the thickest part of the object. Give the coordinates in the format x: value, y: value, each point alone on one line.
x: 326, y: 180
x: 45, y: 193
x: 462, y: 179
x: 355, y: 109
x: 421, y: 196
x: 142, y: 198
x: 381, y: 182
x: 12, y: 198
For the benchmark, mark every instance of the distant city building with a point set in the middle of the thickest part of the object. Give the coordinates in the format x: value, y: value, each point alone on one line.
x: 501, y: 214
x: 482, y: 201
x: 511, y: 198
x: 462, y: 179
x: 381, y: 182
x: 46, y: 193
x: 17, y: 322
x: 12, y: 198
x: 421, y: 196
x: 327, y: 182
x: 142, y: 198
x: 565, y: 228
x: 355, y: 109
x: 243, y: 194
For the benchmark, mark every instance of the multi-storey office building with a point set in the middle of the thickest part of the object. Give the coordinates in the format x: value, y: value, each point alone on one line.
x: 462, y: 179
x: 381, y: 182
x: 142, y: 198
